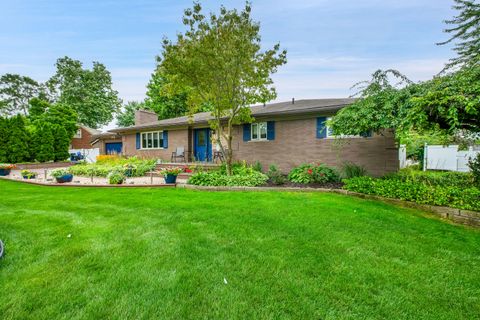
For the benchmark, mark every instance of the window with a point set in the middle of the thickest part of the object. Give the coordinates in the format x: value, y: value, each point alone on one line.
x: 331, y: 134
x: 152, y: 140
x: 259, y: 131
x: 78, y: 134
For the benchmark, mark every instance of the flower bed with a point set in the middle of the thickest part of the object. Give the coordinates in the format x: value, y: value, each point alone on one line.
x: 132, y: 167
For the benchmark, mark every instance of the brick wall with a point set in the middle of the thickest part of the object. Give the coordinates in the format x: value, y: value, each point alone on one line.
x: 144, y: 116
x: 295, y: 143
x: 83, y: 142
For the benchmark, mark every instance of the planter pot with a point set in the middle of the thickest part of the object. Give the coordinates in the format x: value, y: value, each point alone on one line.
x: 4, y: 172
x: 129, y: 172
x: 29, y: 177
x: 65, y: 178
x: 170, y: 178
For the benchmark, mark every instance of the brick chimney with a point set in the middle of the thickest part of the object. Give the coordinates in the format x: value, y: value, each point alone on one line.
x: 145, y: 116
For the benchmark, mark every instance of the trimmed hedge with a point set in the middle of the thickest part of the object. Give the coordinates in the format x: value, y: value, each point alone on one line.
x: 216, y: 178
x: 452, y: 196
x: 435, y: 178
x: 138, y: 168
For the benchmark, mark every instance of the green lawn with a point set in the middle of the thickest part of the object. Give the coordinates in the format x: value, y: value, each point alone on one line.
x: 164, y: 254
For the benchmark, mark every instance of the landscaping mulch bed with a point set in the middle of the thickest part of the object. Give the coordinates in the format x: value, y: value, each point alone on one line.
x: 289, y: 184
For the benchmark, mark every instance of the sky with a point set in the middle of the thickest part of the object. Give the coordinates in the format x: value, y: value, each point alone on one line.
x: 331, y: 44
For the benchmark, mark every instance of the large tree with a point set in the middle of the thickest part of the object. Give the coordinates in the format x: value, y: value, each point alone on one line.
x: 219, y: 58
x: 381, y: 105
x: 88, y: 92
x: 465, y: 33
x: 126, y: 117
x: 15, y: 93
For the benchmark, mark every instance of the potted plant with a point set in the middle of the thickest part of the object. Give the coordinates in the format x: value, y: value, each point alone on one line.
x: 116, y: 177
x: 170, y: 174
x: 62, y: 175
x: 130, y: 169
x: 5, y: 168
x: 26, y: 174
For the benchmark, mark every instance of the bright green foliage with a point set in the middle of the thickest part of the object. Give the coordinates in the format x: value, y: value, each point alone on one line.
x: 450, y: 102
x: 37, y: 107
x: 219, y: 60
x: 313, y: 173
x: 18, y: 139
x: 285, y: 255
x: 116, y: 177
x: 275, y: 175
x: 88, y: 92
x: 133, y: 166
x: 435, y: 178
x: 61, y: 144
x: 43, y: 141
x: 474, y: 165
x: 352, y: 170
x: 62, y: 115
x: 126, y: 117
x: 4, y: 135
x: 465, y: 32
x: 381, y: 106
x: 463, y: 197
x: 243, y: 175
x: 15, y: 93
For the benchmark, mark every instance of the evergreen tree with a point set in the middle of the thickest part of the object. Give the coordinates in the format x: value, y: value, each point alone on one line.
x: 4, y: 137
x: 17, y: 145
x: 43, y: 142
x: 61, y: 143
x: 465, y: 32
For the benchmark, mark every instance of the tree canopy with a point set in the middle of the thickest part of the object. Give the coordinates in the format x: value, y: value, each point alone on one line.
x: 16, y: 92
x: 219, y: 58
x: 465, y: 33
x: 126, y: 117
x: 88, y: 92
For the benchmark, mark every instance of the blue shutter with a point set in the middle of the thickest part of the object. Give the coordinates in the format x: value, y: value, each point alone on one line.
x: 321, y: 127
x: 165, y: 139
x: 138, y: 140
x: 270, y: 130
x: 247, y: 132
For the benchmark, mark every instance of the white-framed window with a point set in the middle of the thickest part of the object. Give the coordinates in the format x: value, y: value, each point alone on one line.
x: 259, y: 131
x: 78, y: 134
x: 152, y: 140
x: 331, y: 134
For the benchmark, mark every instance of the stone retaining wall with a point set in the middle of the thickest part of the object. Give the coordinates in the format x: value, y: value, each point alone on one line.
x: 45, y: 165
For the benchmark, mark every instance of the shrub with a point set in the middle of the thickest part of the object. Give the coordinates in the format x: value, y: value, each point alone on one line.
x: 275, y: 175
x: 62, y: 143
x: 352, y: 170
x: 102, y: 169
x: 257, y: 166
x: 313, y: 173
x: 474, y: 165
x: 116, y: 177
x: 217, y: 178
x: 452, y: 196
x: 434, y: 178
x: 107, y: 158
x: 43, y: 141
x: 60, y: 172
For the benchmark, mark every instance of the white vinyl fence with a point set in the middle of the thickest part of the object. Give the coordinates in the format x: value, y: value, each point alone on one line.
x: 447, y: 158
x: 402, y: 156
x: 89, y: 154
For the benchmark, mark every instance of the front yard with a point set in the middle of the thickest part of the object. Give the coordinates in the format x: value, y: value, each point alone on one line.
x: 86, y: 253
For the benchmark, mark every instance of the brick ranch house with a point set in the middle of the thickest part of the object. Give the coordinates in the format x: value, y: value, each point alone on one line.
x: 286, y: 134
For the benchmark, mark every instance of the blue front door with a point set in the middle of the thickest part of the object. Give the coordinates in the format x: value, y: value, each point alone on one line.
x: 113, y: 148
x: 203, y: 146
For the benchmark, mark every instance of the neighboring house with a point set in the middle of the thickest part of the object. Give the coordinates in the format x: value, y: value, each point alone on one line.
x: 286, y: 134
x: 83, y: 137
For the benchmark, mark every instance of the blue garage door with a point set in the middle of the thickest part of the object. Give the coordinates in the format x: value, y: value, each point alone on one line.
x: 113, y: 148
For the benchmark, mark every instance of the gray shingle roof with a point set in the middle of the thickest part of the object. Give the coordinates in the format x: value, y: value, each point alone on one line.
x: 273, y: 109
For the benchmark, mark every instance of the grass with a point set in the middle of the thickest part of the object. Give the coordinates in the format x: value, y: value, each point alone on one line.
x: 164, y: 254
